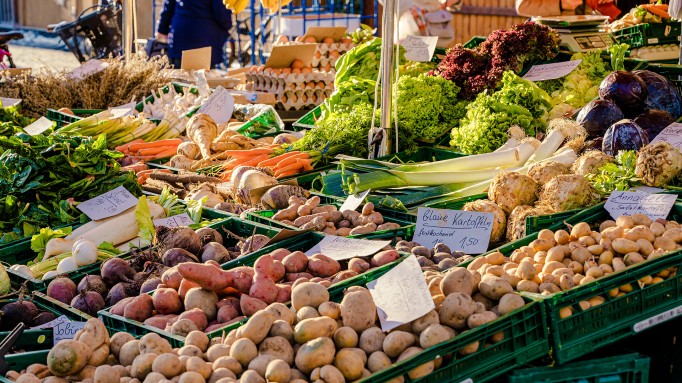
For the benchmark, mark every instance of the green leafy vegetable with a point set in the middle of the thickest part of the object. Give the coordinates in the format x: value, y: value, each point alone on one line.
x: 616, y: 176
x: 618, y: 52
x: 39, y: 241
x: 109, y: 248
x: 144, y: 220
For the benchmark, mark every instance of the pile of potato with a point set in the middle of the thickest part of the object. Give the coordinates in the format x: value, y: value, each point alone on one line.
x: 558, y: 261
x: 308, y: 213
x: 195, y: 296
x: 440, y: 257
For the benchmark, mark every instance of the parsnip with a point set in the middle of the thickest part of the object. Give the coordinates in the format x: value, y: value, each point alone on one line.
x: 116, y: 230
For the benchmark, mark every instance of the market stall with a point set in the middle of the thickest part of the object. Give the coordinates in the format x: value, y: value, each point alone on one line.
x: 524, y: 223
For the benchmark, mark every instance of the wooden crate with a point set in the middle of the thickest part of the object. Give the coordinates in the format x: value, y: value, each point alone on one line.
x: 480, y: 17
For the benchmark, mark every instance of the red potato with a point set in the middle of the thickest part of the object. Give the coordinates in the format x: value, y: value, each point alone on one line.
x: 346, y: 274
x: 264, y: 289
x: 384, y: 257
x: 295, y: 262
x: 299, y: 281
x: 358, y: 265
x: 197, y: 316
x: 171, y: 278
x: 232, y: 301
x: 250, y: 305
x: 161, y: 321
x: 284, y: 293
x: 278, y: 271
x: 166, y: 301
x: 279, y: 254
x: 242, y: 281
x: 185, y: 286
x: 227, y: 313
x: 118, y: 308
x: 321, y: 265
x: 208, y: 276
x: 140, y: 308
x: 294, y: 276
x: 265, y: 266
x: 245, y: 269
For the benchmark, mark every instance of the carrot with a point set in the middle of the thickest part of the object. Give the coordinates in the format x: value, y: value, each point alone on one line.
x: 136, y: 167
x: 152, y: 151
x: 174, y: 142
x: 141, y: 179
x: 290, y: 160
x: 255, y: 160
x: 123, y: 147
x: 143, y: 172
x: 289, y: 167
x: 163, y: 154
x: 226, y: 176
x: 276, y: 159
x: 248, y: 153
x: 656, y: 11
x: 287, y: 174
x: 307, y: 167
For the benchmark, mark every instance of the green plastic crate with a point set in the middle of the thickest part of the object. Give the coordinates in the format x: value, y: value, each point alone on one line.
x: 643, y: 35
x: 588, y: 330
x: 630, y: 368
x: 474, y: 42
x: 63, y: 119
x: 535, y: 223
x: 19, y: 362
x: 308, y: 120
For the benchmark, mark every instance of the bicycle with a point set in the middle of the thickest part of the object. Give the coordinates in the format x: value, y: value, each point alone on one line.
x: 6, y: 61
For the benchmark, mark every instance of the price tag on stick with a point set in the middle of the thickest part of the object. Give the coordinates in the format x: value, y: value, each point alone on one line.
x: 219, y: 105
x: 108, y: 204
x: 552, y: 71
x: 465, y: 231
x: 354, y: 201
x: 672, y: 134
x: 420, y: 48
x: 66, y: 330
x: 339, y: 248
x: 401, y: 295
x: 178, y: 220
x: 654, y: 206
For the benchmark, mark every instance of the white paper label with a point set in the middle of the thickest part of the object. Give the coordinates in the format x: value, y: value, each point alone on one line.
x: 420, y: 48
x: 469, y: 380
x: 65, y: 329
x: 88, y: 68
x: 345, y: 248
x: 174, y: 221
x: 8, y: 102
x: 551, y: 71
x: 123, y: 110
x: 647, y: 189
x: 401, y: 295
x: 354, y: 201
x: 657, y: 319
x: 39, y: 126
x: 654, y: 206
x: 108, y: 204
x: 672, y: 134
x: 219, y: 105
x: 465, y: 231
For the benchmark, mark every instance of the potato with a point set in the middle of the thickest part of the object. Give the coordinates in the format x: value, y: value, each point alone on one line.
x: 258, y: 326
x: 283, y: 329
x: 629, y: 259
x: 349, y: 363
x: 458, y: 279
x: 372, y: 339
x: 117, y: 341
x: 494, y: 287
x: 220, y: 374
x: 244, y: 350
x: 189, y: 351
x: 396, y: 342
x: 217, y: 351
x: 198, y: 365
x: 378, y: 361
x: 308, y: 294
x: 312, y: 328
x: 358, y: 309
x: 345, y: 337
x: 419, y: 324
x: 624, y: 246
x: 129, y: 351
x: 479, y: 319
x: 328, y: 374
x: 306, y: 312
x: 295, y: 262
x: 315, y: 353
x: 277, y: 347
x: 205, y: 300
x: 432, y: 335
x: 548, y: 288
x: 106, y: 374
x: 229, y: 363
x: 278, y: 371
x: 260, y: 363
x: 168, y: 365
x: 665, y: 243
x: 142, y: 365
x: 526, y: 270
x: 320, y: 265
x: 455, y: 310
x: 183, y: 327
x: 509, y: 303
x: 154, y: 377
x: 421, y: 370
x: 191, y: 377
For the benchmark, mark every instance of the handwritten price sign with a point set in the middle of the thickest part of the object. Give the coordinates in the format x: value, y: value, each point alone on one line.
x: 654, y: 206
x: 108, y: 204
x: 461, y: 230
x: 552, y: 71
x: 339, y: 248
x: 219, y: 105
x: 672, y: 134
x: 179, y: 220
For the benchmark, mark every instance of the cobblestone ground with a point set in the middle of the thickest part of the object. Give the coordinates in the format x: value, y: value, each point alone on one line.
x: 29, y: 57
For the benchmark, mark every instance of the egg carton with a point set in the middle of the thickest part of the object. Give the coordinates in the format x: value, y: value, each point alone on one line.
x: 296, y: 100
x: 341, y: 48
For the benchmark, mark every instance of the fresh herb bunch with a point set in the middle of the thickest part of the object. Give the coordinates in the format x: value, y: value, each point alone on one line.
x: 619, y: 175
x: 41, y: 176
x: 475, y: 70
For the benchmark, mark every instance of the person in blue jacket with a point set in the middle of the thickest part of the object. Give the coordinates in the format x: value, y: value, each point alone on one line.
x: 191, y: 24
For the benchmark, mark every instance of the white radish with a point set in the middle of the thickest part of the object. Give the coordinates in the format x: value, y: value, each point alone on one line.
x: 50, y: 274
x: 22, y: 270
x: 66, y: 265
x: 84, y: 252
x: 91, y: 225
x: 116, y: 230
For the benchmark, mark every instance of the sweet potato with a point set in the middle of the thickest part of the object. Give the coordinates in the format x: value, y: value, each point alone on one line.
x: 185, y: 286
x: 171, y: 278
x: 250, y: 305
x: 265, y: 266
x: 118, y: 308
x: 279, y: 254
x: 283, y: 293
x: 207, y: 276
x: 384, y: 257
x: 320, y: 265
x: 166, y: 301
x: 346, y: 274
x: 295, y: 262
x: 242, y: 281
x: 197, y: 316
x: 139, y: 309
x: 160, y: 321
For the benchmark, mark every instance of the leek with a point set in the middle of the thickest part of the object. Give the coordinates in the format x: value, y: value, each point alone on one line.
x: 560, y: 130
x: 516, y: 156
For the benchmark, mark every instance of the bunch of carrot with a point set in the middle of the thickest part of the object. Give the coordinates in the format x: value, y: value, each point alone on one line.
x: 283, y: 165
x: 140, y: 150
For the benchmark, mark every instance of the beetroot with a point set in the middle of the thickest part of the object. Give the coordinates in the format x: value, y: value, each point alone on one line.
x: 208, y: 234
x: 175, y: 256
x: 182, y: 237
x: 62, y: 289
x: 116, y: 270
x: 32, y: 308
x: 120, y: 291
x: 43, y: 317
x: 14, y: 313
x: 88, y: 302
x: 93, y: 283
x: 214, y: 251
x: 150, y: 284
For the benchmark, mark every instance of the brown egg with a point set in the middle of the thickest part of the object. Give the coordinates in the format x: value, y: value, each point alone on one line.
x: 319, y: 85
x: 296, y: 71
x: 313, y: 98
x: 297, y: 64
x: 286, y: 70
x: 309, y: 40
x: 310, y: 85
x: 346, y: 40
x: 299, y: 39
x: 276, y: 71
x: 304, y: 98
x: 293, y: 98
x: 318, y: 54
x: 327, y: 67
x: 282, y: 40
x: 267, y: 71
x: 306, y: 70
x: 328, y: 40
x: 284, y: 99
x: 292, y: 86
x: 334, y: 54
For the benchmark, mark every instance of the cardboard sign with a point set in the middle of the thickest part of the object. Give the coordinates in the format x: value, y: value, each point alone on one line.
x: 108, y: 204
x: 465, y: 231
x: 283, y: 55
x: 195, y: 59
x: 552, y: 71
x: 178, y: 220
x: 39, y: 126
x: 354, y: 201
x: 219, y: 105
x: 286, y: 234
x: 9, y: 102
x: 401, y: 295
x: 88, y: 68
x: 672, y: 134
x: 320, y: 33
x: 339, y: 248
x: 420, y: 48
x: 654, y: 206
